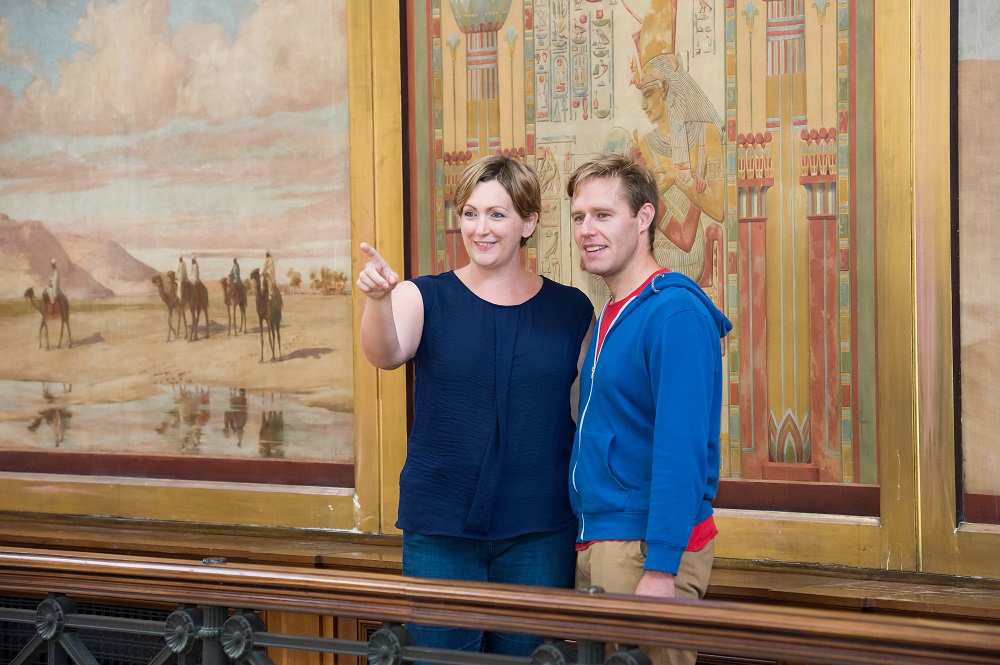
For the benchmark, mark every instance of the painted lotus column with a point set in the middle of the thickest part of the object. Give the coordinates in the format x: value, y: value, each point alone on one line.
x: 480, y: 21
x: 818, y: 174
x: 787, y: 286
x: 454, y: 254
x: 754, y: 177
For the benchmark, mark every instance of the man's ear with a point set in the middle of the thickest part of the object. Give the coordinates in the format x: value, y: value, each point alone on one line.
x: 646, y: 215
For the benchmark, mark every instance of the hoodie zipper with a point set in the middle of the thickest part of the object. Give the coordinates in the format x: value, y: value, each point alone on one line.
x: 590, y: 394
x: 583, y: 415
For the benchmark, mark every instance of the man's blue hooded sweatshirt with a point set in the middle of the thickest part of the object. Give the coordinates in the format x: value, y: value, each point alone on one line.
x: 645, y: 462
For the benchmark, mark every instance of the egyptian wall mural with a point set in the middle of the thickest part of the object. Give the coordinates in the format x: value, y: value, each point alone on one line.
x: 755, y: 116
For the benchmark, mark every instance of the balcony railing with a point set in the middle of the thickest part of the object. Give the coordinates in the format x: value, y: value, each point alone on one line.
x: 216, y: 618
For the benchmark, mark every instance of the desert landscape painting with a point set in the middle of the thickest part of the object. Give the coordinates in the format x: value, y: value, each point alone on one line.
x: 978, y: 252
x: 175, y: 173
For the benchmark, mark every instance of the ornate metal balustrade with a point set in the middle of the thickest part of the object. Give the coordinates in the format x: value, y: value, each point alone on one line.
x: 205, y: 629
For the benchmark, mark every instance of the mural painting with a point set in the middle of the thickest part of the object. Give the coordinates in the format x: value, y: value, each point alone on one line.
x: 175, y: 240
x: 978, y: 251
x: 751, y: 116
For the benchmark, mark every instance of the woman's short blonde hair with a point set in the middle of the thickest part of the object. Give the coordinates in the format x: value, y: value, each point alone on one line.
x: 517, y: 178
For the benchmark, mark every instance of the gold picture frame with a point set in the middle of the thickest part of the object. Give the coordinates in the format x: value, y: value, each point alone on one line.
x: 376, y: 201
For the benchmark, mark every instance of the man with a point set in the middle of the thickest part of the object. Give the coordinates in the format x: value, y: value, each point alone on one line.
x: 234, y: 274
x: 645, y: 464
x: 55, y: 288
x: 684, y: 149
x: 195, y: 272
x: 685, y: 152
x: 235, y: 287
x: 182, y: 277
x: 269, y: 276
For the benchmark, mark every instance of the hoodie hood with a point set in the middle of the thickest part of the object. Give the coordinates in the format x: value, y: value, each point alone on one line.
x: 676, y: 280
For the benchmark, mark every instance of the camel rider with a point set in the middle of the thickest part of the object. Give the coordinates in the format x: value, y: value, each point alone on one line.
x: 195, y: 272
x: 182, y: 277
x: 54, y: 289
x: 234, y: 275
x: 270, y: 278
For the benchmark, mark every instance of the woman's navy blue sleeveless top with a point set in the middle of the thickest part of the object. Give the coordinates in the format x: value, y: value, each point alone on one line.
x: 488, y: 454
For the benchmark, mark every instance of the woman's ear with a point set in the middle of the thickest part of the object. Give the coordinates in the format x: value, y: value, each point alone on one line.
x: 530, y: 222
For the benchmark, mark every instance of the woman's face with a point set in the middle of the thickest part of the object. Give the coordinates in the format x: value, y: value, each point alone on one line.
x: 491, y: 227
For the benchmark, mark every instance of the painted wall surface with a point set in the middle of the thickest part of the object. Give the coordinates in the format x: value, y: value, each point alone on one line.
x: 978, y: 247
x: 755, y: 117
x: 143, y: 138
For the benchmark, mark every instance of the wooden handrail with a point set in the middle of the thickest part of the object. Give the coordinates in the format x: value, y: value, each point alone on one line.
x: 739, y: 629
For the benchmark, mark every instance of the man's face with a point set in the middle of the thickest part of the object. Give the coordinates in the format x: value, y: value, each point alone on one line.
x: 654, y: 102
x: 608, y: 235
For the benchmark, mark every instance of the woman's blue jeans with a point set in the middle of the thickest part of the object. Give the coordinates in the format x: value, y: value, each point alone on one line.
x: 536, y: 559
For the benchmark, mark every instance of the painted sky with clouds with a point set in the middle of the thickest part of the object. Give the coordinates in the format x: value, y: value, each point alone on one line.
x: 209, y: 127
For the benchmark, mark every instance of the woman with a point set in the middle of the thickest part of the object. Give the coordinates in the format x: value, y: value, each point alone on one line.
x: 495, y: 348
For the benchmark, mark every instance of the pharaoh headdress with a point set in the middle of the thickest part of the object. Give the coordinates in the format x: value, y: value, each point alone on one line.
x: 660, y: 65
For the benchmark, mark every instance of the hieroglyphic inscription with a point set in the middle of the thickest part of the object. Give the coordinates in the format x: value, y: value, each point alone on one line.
x: 574, y: 62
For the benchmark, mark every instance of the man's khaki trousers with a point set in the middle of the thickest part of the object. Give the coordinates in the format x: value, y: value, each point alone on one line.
x: 618, y: 565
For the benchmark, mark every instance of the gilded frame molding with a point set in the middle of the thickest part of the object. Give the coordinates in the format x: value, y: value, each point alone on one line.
x: 376, y: 210
x: 947, y: 547
x: 888, y: 542
x: 918, y: 530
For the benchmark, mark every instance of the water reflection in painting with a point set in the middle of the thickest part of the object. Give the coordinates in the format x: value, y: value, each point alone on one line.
x: 210, y: 421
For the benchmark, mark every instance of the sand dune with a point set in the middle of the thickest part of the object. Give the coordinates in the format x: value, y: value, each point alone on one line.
x: 109, y: 264
x: 88, y: 268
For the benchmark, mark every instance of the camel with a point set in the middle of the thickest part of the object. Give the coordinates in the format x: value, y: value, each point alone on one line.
x: 61, y: 311
x: 168, y: 294
x: 181, y: 304
x: 235, y: 418
x: 195, y: 296
x: 268, y: 310
x: 235, y: 296
x: 58, y: 419
x: 194, y: 409
x: 56, y: 416
x: 271, y: 439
